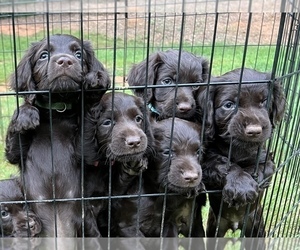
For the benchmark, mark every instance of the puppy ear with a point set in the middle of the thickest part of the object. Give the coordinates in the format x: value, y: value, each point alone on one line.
x: 138, y: 73
x: 205, y: 68
x: 206, y: 108
x: 158, y: 134
x: 22, y: 78
x: 278, y: 104
x: 147, y: 121
x: 97, y: 76
x: 91, y: 154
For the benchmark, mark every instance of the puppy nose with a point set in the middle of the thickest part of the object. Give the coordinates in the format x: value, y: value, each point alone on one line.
x: 184, y: 106
x: 31, y: 223
x: 190, y: 176
x: 64, y: 62
x: 253, y: 130
x: 133, y: 141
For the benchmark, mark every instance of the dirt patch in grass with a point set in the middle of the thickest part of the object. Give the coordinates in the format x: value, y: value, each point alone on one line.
x: 165, y: 28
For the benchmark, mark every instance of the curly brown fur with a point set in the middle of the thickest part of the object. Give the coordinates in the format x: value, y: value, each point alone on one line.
x: 239, y: 120
x: 17, y: 219
x: 173, y: 168
x: 47, y: 126
x: 162, y: 68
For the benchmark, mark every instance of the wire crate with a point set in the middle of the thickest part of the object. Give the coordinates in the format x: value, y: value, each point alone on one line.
x: 261, y: 35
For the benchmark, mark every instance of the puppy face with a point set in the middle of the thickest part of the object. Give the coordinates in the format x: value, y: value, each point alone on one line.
x: 61, y: 63
x: 16, y: 220
x: 251, y: 120
x: 121, y: 127
x: 163, y: 69
x: 248, y: 114
x: 178, y: 163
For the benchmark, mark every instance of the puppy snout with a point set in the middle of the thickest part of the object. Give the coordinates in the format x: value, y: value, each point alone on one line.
x: 31, y: 223
x: 184, y: 106
x: 253, y: 130
x: 190, y: 176
x: 133, y: 141
x: 64, y: 62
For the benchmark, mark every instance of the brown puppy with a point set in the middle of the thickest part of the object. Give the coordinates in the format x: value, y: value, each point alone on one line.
x: 240, y: 120
x: 49, y: 126
x: 117, y: 135
x: 174, y: 167
x: 169, y: 68
x: 16, y: 220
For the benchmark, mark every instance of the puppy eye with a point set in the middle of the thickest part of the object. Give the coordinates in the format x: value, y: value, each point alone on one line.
x: 196, y: 87
x: 107, y: 122
x: 44, y: 55
x: 167, y: 81
x: 78, y: 54
x: 168, y: 152
x: 4, y: 214
x: 138, y: 119
x: 264, y: 103
x: 229, y: 105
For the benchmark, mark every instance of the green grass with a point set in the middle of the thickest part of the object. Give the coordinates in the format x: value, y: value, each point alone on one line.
x: 124, y: 55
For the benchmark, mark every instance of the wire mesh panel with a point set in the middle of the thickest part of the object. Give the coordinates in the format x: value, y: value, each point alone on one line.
x: 128, y: 41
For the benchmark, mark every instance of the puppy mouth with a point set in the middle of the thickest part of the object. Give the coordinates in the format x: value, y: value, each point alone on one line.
x: 64, y: 83
x: 126, y: 158
x: 252, y: 138
x: 185, y: 115
x: 190, y: 191
x: 245, y: 138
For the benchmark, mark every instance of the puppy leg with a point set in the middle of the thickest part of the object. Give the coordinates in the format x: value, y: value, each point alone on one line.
x: 90, y: 224
x: 215, y: 168
x: 240, y: 189
x: 28, y: 226
x: 27, y: 118
x: 22, y: 122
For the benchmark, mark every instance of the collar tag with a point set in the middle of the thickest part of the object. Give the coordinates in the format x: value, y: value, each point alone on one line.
x: 152, y: 109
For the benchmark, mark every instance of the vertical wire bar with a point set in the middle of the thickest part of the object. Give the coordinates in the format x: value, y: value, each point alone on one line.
x: 18, y: 108
x: 113, y: 99
x: 207, y: 97
x: 125, y: 48
x: 173, y: 115
x: 225, y: 39
x: 278, y: 46
x: 82, y: 128
x: 236, y: 109
x: 236, y: 42
x: 145, y: 108
x: 51, y: 128
x: 163, y: 32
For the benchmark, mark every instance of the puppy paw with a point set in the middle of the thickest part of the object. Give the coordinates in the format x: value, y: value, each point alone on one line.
x: 28, y: 227
x: 240, y: 191
x: 135, y: 167
x: 27, y: 118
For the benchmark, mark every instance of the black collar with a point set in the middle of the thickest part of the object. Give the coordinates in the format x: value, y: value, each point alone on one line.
x: 58, y: 106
